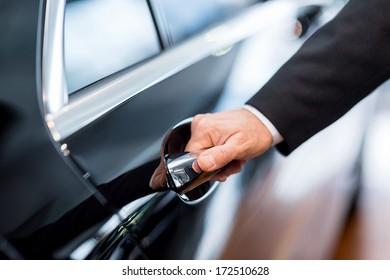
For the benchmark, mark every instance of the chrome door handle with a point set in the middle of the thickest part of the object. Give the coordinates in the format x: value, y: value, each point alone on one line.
x: 191, y: 187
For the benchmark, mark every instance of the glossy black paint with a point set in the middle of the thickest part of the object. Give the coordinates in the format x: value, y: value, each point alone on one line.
x: 48, y: 207
x: 37, y: 185
x: 117, y: 142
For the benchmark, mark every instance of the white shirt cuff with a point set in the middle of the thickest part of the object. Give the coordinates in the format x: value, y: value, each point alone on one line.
x: 276, y: 137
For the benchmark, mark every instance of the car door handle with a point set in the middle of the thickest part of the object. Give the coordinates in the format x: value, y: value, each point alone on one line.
x: 191, y: 186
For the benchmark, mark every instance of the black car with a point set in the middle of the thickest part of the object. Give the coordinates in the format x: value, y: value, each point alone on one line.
x: 88, y: 90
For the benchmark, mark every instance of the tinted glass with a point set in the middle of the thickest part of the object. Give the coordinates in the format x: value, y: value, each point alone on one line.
x: 103, y: 37
x: 185, y: 20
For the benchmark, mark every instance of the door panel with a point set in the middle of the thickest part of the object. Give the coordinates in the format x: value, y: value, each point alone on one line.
x: 130, y: 135
x: 110, y: 131
x: 44, y: 203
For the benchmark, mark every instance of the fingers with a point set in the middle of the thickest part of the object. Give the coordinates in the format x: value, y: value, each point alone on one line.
x: 201, y: 137
x: 223, y: 139
x: 232, y: 168
x: 227, y: 136
x: 158, y: 179
x: 211, y: 132
x: 216, y: 157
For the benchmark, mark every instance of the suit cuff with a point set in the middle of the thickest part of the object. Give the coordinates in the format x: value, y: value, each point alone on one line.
x: 276, y: 136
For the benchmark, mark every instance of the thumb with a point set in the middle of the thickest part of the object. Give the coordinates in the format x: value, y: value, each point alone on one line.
x: 215, y: 158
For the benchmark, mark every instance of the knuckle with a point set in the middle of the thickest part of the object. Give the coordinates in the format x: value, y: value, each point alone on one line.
x: 202, y: 121
x: 245, y: 144
x: 196, y: 118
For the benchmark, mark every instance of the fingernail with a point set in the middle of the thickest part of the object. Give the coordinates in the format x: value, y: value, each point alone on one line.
x: 196, y: 167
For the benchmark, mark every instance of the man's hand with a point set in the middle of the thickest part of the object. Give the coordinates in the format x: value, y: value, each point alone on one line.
x: 229, y: 139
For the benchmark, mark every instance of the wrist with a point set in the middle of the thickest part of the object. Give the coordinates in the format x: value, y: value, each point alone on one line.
x: 260, y: 131
x: 276, y: 136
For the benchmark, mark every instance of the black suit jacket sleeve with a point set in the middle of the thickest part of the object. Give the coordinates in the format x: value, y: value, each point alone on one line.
x: 339, y: 65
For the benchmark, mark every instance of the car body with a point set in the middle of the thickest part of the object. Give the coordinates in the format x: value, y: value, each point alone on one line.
x: 84, y: 108
x: 88, y: 90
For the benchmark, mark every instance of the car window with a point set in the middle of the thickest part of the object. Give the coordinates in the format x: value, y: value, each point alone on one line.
x: 186, y: 20
x: 102, y: 37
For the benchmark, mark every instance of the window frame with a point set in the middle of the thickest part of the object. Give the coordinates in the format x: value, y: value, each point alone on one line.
x: 66, y: 115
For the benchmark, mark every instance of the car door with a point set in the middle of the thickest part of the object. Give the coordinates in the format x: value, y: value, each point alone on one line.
x: 116, y: 75
x: 44, y: 205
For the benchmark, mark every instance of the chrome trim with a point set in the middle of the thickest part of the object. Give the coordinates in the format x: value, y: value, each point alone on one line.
x: 161, y: 21
x: 183, y: 197
x: 194, y: 187
x: 94, y: 101
x: 55, y: 93
x: 125, y: 213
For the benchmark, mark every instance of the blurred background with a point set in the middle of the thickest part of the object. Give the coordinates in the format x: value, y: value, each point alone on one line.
x: 330, y: 198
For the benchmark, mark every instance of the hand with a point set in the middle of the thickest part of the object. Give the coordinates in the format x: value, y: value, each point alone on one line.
x: 229, y: 139
x: 158, y: 179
